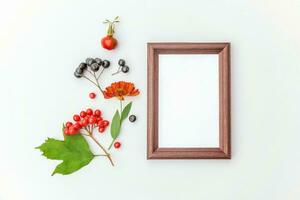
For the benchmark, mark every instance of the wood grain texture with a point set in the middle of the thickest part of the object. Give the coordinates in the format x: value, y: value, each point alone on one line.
x: 224, y: 149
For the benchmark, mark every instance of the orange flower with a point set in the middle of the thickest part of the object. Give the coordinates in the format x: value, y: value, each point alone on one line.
x: 120, y: 89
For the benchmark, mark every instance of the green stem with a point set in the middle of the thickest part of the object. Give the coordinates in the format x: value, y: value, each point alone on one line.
x: 112, y: 142
x: 121, y: 107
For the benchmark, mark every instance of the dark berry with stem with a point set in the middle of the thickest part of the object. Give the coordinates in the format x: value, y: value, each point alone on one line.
x: 90, y: 61
x: 105, y: 63
x: 98, y: 61
x: 79, y: 70
x: 82, y: 66
x: 125, y: 69
x: 95, y: 67
x: 132, y: 118
x: 77, y: 75
x: 121, y: 62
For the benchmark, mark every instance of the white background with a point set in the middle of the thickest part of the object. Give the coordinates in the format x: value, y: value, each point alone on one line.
x: 192, y: 118
x: 41, y: 42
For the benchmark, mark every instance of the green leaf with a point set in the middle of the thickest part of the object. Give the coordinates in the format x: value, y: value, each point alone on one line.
x: 115, y: 125
x: 74, y: 151
x: 126, y: 111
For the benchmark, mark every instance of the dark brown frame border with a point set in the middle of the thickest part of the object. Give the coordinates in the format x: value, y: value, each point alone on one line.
x: 224, y: 150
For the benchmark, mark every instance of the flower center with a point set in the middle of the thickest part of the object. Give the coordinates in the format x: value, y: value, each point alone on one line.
x: 120, y: 90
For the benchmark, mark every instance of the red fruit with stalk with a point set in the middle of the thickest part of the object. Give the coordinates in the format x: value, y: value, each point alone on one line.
x: 109, y: 42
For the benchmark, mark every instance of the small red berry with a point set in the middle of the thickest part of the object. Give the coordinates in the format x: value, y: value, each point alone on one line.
x: 73, y: 130
x: 85, y: 122
x: 76, y: 118
x: 92, y: 120
x: 105, y: 123
x: 92, y: 95
x: 101, y: 129
x: 77, y: 125
x: 99, y: 118
x: 89, y: 111
x: 117, y: 145
x: 68, y: 124
x: 101, y: 124
x: 82, y: 114
x: 66, y: 131
x: 97, y: 113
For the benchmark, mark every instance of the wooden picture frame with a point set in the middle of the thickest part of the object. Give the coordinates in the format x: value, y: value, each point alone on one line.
x: 223, y: 151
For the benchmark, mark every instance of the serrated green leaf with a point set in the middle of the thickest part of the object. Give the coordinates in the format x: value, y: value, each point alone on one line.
x: 115, y: 125
x: 126, y: 111
x: 74, y: 151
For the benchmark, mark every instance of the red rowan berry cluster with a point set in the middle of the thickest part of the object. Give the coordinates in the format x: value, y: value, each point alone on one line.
x: 87, y: 120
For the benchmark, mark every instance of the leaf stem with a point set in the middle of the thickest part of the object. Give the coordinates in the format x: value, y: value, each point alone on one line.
x: 99, y: 155
x: 112, y: 142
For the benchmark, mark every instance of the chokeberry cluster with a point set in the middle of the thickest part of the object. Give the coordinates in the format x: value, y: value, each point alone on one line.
x: 88, y: 121
x: 91, y: 70
x: 122, y: 67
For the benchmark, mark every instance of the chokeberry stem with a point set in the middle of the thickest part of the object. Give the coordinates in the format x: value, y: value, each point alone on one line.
x: 90, y: 80
x: 97, y: 82
x: 100, y: 73
x: 119, y: 69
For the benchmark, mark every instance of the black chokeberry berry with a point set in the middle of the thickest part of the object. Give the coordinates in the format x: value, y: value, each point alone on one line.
x: 105, y: 63
x: 90, y: 61
x: 95, y: 67
x: 77, y: 75
x: 121, y: 62
x: 79, y: 70
x: 98, y: 61
x: 125, y: 69
x: 82, y: 66
x: 132, y: 118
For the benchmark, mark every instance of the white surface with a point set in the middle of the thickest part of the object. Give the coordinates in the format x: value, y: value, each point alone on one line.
x: 188, y: 100
x: 41, y: 42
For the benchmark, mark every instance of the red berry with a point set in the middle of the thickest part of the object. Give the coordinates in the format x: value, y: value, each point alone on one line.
x: 117, y: 145
x: 77, y: 125
x: 100, y: 118
x: 97, y: 113
x: 82, y: 114
x: 92, y: 120
x: 84, y: 122
x: 101, y: 129
x: 68, y: 124
x: 66, y: 131
x: 105, y: 123
x: 101, y: 124
x: 92, y: 95
x: 89, y: 111
x: 73, y: 130
x: 76, y: 118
